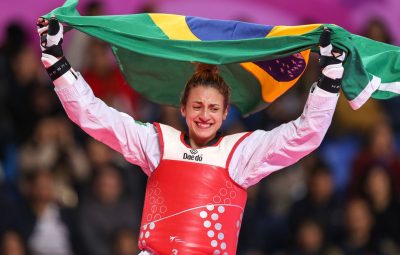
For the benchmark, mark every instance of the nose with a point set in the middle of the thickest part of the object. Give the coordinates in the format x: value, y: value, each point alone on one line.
x: 204, y: 115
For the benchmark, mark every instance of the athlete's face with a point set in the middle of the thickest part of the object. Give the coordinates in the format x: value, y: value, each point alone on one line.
x: 204, y: 113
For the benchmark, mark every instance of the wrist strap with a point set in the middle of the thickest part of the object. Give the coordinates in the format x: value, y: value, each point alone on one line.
x: 328, y: 84
x: 58, y: 69
x: 55, y: 50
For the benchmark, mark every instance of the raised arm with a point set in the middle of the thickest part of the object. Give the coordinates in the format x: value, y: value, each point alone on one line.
x: 136, y: 141
x: 264, y: 152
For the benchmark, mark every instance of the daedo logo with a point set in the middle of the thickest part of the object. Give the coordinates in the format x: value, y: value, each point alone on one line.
x: 192, y: 155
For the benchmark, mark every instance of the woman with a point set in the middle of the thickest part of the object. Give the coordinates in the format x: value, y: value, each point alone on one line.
x: 197, y: 183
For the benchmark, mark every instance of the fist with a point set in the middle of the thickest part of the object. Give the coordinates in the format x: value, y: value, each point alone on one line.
x: 330, y: 60
x: 328, y: 54
x: 51, y: 36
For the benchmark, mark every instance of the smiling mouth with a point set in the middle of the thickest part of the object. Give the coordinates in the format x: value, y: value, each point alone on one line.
x: 203, y: 125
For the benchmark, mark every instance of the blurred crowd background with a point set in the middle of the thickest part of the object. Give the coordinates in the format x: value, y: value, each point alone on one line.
x: 63, y: 193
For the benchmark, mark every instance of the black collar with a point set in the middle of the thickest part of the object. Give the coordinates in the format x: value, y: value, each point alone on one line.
x: 210, y: 143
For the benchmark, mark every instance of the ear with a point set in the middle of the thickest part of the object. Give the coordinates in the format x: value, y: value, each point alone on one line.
x: 183, y: 111
x: 225, y: 113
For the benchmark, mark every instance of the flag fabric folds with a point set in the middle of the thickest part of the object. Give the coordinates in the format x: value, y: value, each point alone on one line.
x: 157, y: 54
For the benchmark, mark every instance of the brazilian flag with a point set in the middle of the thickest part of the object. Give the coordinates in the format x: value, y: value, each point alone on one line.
x: 157, y: 54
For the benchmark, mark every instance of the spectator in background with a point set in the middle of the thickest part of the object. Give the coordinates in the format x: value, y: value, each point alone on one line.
x: 361, y: 121
x: 93, y: 58
x: 125, y: 242
x: 379, y: 149
x: 79, y: 44
x: 134, y: 181
x: 14, y: 36
x: 377, y: 30
x: 355, y: 123
x: 106, y: 79
x: 11, y: 244
x: 358, y: 223
x: 22, y: 83
x: 22, y: 79
x: 7, y: 211
x: 46, y: 227
x: 319, y: 207
x: 309, y: 238
x: 53, y: 146
x: 98, y: 153
x: 104, y: 211
x: 253, y: 232
x: 379, y: 190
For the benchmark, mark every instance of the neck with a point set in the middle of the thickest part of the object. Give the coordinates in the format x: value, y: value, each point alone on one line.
x: 39, y: 207
x: 359, y: 238
x: 195, y: 144
x: 380, y: 204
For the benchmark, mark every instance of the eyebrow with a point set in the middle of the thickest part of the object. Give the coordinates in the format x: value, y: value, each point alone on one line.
x: 200, y: 102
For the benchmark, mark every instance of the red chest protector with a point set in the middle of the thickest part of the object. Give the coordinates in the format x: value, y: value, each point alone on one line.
x: 192, y: 206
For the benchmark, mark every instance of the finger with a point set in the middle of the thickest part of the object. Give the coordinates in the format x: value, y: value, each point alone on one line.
x: 43, y: 41
x: 325, y: 38
x: 41, y: 22
x: 339, y: 54
x: 42, y: 30
x: 54, y: 26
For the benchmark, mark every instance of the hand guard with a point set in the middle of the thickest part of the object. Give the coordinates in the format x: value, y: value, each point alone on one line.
x: 330, y: 61
x: 51, y: 38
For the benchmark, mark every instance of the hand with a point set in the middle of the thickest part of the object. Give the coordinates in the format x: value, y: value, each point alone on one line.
x: 330, y: 61
x: 51, y: 36
x: 328, y: 54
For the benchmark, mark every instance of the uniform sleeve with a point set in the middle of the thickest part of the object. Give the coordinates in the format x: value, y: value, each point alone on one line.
x: 136, y: 141
x: 264, y: 152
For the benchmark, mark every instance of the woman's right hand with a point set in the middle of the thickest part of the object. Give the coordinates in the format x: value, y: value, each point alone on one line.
x: 51, y: 36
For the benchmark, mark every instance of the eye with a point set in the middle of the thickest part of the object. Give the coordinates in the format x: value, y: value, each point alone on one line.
x: 196, y: 108
x: 215, y: 109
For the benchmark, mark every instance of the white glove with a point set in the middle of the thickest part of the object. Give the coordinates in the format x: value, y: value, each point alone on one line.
x: 331, y: 63
x: 51, y: 33
x: 51, y: 38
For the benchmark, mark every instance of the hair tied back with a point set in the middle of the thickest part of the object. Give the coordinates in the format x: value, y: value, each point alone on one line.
x: 206, y: 68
